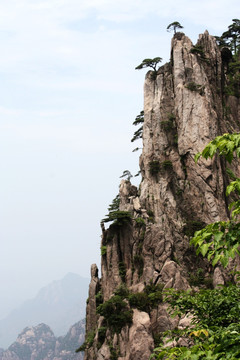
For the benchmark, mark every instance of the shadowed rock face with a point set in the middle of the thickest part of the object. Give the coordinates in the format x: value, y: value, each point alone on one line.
x: 184, y: 108
x: 39, y: 343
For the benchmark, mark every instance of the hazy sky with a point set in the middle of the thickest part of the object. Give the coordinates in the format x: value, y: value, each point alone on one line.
x: 68, y: 96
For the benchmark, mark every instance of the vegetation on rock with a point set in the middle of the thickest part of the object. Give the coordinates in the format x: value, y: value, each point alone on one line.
x: 214, y: 332
x: 116, y: 313
x: 152, y: 63
x: 138, y: 133
x: 174, y: 26
x: 118, y: 217
x: 220, y: 241
x: 126, y: 174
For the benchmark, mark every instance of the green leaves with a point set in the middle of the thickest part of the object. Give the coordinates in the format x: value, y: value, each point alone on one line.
x: 116, y: 313
x: 214, y: 332
x: 218, y: 241
x: 225, y: 145
x: 233, y: 186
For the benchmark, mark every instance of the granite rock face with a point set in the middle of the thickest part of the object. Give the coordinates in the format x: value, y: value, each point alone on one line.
x: 39, y: 343
x: 184, y: 108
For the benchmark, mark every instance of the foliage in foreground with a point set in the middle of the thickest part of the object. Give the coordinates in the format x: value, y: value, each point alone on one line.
x: 220, y: 241
x: 214, y: 331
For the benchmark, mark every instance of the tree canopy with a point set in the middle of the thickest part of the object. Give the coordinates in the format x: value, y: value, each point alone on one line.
x: 139, y: 120
x: 152, y: 63
x: 174, y: 26
x: 231, y: 37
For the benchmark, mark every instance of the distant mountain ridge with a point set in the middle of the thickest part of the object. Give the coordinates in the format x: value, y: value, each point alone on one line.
x: 59, y: 304
x: 40, y: 343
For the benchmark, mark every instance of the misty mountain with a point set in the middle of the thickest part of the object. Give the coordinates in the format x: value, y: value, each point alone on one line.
x: 59, y: 304
x: 40, y: 343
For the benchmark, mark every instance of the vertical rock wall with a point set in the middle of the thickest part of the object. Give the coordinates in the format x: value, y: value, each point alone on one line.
x: 184, y: 108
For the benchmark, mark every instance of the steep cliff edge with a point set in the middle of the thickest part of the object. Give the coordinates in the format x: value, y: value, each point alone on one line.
x: 147, y: 249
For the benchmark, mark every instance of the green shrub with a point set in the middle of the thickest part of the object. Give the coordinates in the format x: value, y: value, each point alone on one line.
x: 142, y: 235
x: 140, y: 222
x: 151, y: 216
x: 167, y: 164
x: 139, y: 263
x: 122, y: 270
x: 157, y: 338
x: 101, y: 335
x: 122, y: 291
x: 148, y: 299
x: 103, y: 250
x: 154, y: 293
x: 171, y: 117
x: 196, y: 278
x: 192, y: 86
x: 166, y: 125
x: 154, y: 167
x: 139, y: 301
x: 150, y: 213
x: 99, y: 298
x: 114, y: 354
x: 198, y: 50
x: 116, y: 313
x: 88, y: 342
x: 210, y: 308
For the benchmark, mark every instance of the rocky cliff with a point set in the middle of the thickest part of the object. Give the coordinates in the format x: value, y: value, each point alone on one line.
x: 39, y: 343
x: 146, y: 248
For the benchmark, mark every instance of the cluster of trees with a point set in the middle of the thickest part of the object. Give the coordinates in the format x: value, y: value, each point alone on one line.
x: 231, y: 37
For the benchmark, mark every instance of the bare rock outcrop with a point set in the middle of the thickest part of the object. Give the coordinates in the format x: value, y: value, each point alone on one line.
x: 184, y: 108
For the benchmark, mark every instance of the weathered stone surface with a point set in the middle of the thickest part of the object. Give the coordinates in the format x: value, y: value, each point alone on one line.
x: 218, y: 278
x: 9, y: 355
x: 94, y: 287
x: 184, y: 108
x: 140, y: 339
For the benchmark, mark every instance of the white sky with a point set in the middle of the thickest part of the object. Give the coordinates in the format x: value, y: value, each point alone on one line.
x: 68, y: 96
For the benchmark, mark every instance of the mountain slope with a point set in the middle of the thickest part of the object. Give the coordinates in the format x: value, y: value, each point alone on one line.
x: 59, y: 304
x: 39, y: 343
